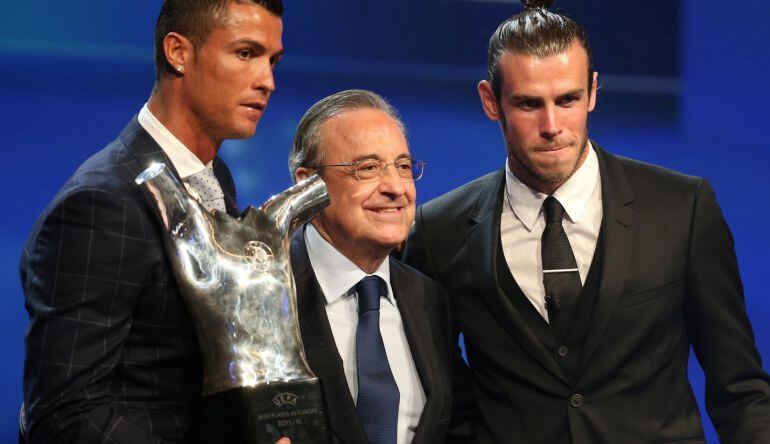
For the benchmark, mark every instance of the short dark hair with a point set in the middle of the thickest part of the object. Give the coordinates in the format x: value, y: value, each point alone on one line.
x: 538, y: 32
x: 306, y: 149
x: 195, y: 19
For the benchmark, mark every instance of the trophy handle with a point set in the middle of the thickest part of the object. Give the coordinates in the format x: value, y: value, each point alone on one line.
x: 162, y: 189
x: 298, y: 204
x: 183, y: 219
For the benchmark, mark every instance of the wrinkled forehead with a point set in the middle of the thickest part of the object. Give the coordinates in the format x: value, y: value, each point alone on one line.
x: 363, y: 133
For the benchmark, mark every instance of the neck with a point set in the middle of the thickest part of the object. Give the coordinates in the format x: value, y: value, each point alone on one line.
x: 367, y: 258
x: 167, y: 104
x: 368, y: 264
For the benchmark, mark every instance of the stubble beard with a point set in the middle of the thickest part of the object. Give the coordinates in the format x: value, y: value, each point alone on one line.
x: 542, y: 176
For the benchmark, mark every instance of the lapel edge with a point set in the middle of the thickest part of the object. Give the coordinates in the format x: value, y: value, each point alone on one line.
x: 311, y: 312
x: 483, y: 241
x: 619, y: 220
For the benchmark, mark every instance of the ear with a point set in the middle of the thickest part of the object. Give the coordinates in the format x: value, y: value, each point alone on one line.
x: 302, y: 173
x: 178, y: 50
x: 488, y: 100
x: 592, y: 94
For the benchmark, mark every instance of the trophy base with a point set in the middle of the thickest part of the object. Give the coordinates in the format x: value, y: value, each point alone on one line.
x: 265, y: 413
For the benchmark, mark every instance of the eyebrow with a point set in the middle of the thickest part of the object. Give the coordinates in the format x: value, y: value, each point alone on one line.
x: 258, y: 46
x: 574, y: 92
x: 377, y: 157
x: 523, y: 97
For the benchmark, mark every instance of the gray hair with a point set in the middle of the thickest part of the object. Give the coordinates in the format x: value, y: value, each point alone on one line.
x: 306, y: 149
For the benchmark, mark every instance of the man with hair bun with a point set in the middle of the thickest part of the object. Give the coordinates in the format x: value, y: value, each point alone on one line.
x: 581, y: 279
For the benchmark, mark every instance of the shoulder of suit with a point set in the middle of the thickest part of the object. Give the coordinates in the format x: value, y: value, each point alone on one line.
x: 414, y: 275
x: 430, y: 289
x: 648, y: 175
x: 111, y: 171
x: 656, y: 176
x: 462, y: 198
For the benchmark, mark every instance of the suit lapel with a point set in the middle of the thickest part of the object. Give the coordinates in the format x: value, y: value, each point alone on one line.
x: 483, y: 242
x: 144, y: 148
x: 320, y: 348
x: 618, y: 223
x: 147, y: 151
x: 419, y: 333
x: 225, y: 179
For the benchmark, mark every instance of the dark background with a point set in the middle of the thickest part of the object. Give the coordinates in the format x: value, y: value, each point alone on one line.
x: 684, y: 85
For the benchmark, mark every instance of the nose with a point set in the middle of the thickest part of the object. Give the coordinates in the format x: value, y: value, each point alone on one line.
x: 391, y: 183
x: 264, y: 79
x: 549, y: 126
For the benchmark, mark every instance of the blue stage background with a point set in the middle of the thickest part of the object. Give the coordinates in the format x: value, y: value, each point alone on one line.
x: 684, y: 85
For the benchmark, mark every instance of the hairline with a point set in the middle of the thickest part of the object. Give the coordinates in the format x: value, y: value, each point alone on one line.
x: 219, y: 21
x: 495, y: 80
x: 307, y: 145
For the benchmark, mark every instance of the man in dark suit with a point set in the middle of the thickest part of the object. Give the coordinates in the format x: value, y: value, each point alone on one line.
x: 110, y: 352
x: 580, y: 279
x: 384, y: 360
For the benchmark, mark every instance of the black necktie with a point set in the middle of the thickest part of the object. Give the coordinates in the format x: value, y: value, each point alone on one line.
x: 378, y: 395
x: 560, y: 271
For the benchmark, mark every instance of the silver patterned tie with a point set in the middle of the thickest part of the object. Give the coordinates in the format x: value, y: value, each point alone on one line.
x: 205, y: 183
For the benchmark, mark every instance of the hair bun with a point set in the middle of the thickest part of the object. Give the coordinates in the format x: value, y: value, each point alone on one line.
x: 537, y: 3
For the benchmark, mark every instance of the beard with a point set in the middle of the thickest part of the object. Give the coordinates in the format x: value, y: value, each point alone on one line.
x: 545, y: 175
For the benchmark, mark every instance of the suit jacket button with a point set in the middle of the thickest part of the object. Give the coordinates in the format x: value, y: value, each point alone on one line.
x: 576, y: 400
x: 563, y: 351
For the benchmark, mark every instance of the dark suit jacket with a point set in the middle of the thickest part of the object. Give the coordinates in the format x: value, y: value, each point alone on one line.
x: 110, y: 352
x: 424, y: 311
x: 669, y: 280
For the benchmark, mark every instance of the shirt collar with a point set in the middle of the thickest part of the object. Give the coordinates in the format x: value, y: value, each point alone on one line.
x: 336, y: 274
x: 573, y: 194
x: 185, y: 162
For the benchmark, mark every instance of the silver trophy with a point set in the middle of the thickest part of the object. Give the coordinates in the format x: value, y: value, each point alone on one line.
x: 236, y: 280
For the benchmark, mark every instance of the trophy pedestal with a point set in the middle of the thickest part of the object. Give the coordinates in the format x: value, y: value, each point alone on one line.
x: 264, y: 413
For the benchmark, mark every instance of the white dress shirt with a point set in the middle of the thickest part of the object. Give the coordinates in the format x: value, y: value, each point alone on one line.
x: 185, y: 162
x: 337, y: 277
x: 521, y: 226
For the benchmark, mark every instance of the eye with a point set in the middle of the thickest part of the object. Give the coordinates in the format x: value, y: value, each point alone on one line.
x: 245, y: 54
x: 404, y: 165
x: 568, y: 101
x: 528, y: 105
x: 368, y: 166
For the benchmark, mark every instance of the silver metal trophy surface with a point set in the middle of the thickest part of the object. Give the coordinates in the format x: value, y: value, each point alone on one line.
x: 236, y: 280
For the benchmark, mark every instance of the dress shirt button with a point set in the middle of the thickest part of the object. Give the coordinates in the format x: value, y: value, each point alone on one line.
x: 576, y: 400
x: 563, y: 351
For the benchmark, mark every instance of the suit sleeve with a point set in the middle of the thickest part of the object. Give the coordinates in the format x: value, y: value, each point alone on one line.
x: 82, y: 275
x: 415, y: 253
x: 464, y: 410
x: 737, y: 389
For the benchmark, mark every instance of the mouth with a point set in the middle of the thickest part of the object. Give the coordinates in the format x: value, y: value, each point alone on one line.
x: 255, y: 106
x: 386, y: 210
x: 546, y: 149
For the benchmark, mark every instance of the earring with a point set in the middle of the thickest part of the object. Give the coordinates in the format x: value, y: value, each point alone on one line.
x: 180, y: 69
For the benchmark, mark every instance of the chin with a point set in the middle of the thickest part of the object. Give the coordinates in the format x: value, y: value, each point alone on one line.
x: 243, y: 130
x: 245, y: 133
x: 389, y: 239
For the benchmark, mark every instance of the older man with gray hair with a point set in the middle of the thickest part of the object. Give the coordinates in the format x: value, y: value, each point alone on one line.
x: 375, y: 330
